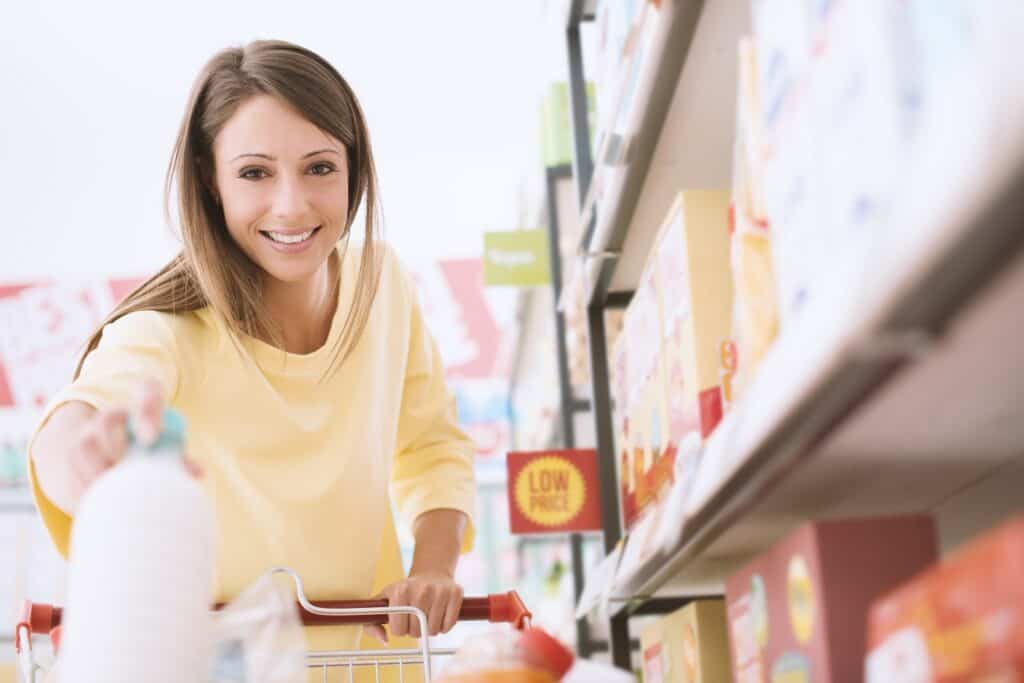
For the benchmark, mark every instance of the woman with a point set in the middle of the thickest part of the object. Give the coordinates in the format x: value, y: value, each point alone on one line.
x: 310, y: 384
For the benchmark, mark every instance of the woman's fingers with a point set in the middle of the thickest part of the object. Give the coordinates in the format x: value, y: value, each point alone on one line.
x: 433, y: 605
x: 398, y: 624
x: 452, y: 608
x: 194, y: 469
x: 149, y: 412
x: 110, y: 427
x: 87, y: 464
x: 438, y: 597
x: 377, y: 632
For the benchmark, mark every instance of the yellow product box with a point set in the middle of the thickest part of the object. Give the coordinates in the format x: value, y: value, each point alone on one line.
x: 691, y: 259
x: 755, y: 313
x: 690, y: 645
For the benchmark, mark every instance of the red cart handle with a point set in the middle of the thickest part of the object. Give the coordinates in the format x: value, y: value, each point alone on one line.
x: 38, y: 618
x: 502, y: 608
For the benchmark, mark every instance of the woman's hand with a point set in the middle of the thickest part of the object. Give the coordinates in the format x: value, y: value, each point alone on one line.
x: 435, y: 593
x: 80, y: 443
x: 430, y: 585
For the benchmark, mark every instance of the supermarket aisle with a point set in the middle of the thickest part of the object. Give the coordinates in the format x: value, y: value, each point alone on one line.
x: 739, y: 283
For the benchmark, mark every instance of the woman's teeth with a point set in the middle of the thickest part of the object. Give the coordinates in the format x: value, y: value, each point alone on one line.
x: 293, y: 238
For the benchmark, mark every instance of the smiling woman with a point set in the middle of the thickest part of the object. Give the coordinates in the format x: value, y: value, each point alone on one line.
x: 286, y: 206
x: 314, y: 393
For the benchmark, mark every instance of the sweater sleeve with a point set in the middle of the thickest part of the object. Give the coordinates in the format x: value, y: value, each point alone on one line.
x: 133, y: 348
x: 434, y: 460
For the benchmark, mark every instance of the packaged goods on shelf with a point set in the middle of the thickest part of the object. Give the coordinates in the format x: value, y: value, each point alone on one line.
x: 673, y: 331
x: 690, y: 645
x: 782, y: 31
x: 624, y: 29
x: 640, y: 545
x: 614, y: 20
x: 649, y: 458
x: 691, y: 259
x: 755, y: 313
x: 856, y: 95
x: 619, y: 376
x: 799, y: 611
x: 575, y: 312
x: 961, y: 620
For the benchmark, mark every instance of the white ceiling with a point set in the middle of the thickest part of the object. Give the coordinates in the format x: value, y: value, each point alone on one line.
x: 93, y: 92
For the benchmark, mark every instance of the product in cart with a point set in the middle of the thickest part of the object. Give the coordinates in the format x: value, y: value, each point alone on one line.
x: 529, y: 656
x: 799, y: 611
x: 258, y: 637
x: 962, y: 620
x: 141, y: 571
x: 690, y: 645
x: 755, y: 314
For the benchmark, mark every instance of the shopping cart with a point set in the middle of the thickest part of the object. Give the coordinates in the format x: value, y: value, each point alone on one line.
x: 505, y: 608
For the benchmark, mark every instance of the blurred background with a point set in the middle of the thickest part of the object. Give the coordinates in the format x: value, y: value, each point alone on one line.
x: 869, y: 161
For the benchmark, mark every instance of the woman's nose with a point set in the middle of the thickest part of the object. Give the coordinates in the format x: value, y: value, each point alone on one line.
x: 290, y: 200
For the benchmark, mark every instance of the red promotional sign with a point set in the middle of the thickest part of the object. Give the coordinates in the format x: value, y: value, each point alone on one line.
x: 43, y: 327
x: 553, y: 492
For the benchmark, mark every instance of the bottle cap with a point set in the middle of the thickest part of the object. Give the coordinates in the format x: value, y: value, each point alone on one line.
x: 546, y: 652
x: 172, y: 435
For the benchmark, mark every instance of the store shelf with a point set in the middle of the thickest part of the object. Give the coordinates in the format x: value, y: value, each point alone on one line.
x: 569, y: 12
x: 683, y: 126
x: 901, y: 395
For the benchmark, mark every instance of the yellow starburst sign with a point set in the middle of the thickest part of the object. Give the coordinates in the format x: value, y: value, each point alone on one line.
x: 553, y: 491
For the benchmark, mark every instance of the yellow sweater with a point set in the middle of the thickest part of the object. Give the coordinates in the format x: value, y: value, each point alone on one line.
x: 301, y: 472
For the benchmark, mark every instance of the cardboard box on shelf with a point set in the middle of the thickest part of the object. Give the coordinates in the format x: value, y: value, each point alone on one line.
x: 650, y: 459
x: 619, y: 378
x: 691, y: 645
x: 691, y: 259
x: 798, y: 612
x: 868, y: 107
x: 962, y: 620
x: 755, y: 312
x: 669, y: 348
x: 620, y: 52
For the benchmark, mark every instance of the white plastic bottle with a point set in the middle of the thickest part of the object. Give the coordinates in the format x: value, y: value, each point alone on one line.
x: 141, y: 572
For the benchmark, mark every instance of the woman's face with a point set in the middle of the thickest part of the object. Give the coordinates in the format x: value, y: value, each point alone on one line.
x: 283, y: 185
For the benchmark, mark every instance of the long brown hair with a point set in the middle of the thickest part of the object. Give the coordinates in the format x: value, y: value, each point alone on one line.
x: 212, y: 270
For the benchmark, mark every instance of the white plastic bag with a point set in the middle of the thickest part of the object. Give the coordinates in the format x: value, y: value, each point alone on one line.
x: 259, y: 637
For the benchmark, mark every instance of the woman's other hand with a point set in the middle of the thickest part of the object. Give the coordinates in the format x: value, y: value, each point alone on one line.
x: 435, y: 593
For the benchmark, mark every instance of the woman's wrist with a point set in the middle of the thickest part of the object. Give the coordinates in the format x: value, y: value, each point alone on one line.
x: 439, y: 535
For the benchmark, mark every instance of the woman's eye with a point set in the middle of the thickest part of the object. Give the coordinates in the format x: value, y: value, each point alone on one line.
x: 253, y: 174
x: 322, y: 169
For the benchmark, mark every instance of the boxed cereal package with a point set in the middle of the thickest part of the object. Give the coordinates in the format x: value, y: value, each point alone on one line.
x: 690, y: 645
x: 798, y: 612
x: 755, y: 312
x: 962, y: 620
x: 646, y: 411
x: 691, y: 259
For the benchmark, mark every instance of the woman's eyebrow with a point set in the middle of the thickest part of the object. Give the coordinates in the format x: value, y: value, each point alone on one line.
x: 304, y: 156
